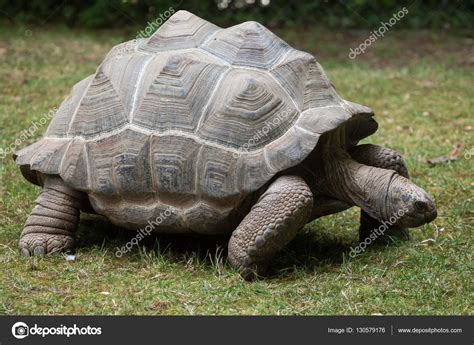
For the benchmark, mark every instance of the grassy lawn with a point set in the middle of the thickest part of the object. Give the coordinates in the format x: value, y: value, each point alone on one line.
x: 420, y: 85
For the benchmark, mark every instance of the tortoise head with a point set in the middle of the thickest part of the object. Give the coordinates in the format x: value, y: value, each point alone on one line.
x: 382, y: 193
x: 410, y: 204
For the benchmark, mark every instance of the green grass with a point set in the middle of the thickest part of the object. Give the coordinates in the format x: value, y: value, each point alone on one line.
x: 420, y: 86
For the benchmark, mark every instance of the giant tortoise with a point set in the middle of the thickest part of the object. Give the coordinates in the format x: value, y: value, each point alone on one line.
x: 224, y: 131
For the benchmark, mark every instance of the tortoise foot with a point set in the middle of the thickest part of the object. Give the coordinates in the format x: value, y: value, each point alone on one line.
x: 42, y: 244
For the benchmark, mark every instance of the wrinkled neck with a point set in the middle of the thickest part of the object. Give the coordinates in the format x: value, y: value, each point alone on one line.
x: 357, y: 184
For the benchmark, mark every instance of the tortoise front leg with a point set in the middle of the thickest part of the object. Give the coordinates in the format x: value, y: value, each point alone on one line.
x: 379, y: 157
x: 272, y: 223
x: 53, y: 221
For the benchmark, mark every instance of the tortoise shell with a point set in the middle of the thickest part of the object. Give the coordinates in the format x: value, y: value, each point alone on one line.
x: 189, y: 121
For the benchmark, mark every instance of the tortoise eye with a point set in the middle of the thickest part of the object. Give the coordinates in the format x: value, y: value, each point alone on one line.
x: 405, y: 198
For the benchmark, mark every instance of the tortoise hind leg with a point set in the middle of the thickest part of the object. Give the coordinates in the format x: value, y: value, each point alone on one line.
x: 52, y: 224
x: 272, y: 223
x: 380, y: 157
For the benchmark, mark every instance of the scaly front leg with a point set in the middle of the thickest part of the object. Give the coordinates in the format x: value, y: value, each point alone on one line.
x: 273, y: 222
